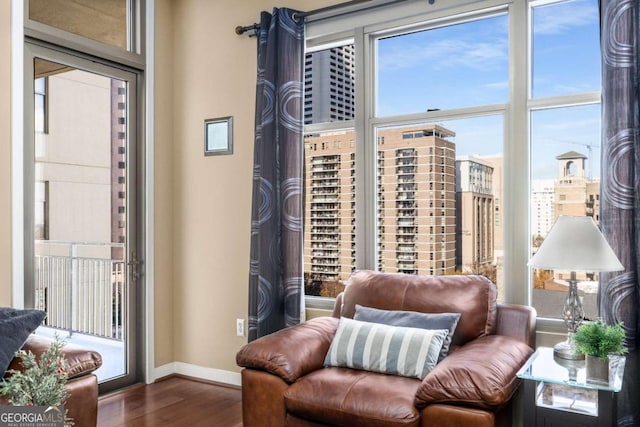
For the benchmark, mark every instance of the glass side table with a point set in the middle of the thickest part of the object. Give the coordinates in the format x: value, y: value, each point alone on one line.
x: 557, y: 393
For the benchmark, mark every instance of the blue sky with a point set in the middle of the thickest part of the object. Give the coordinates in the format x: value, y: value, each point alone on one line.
x: 466, y: 65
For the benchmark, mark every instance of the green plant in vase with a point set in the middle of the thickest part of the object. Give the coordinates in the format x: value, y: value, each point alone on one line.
x: 597, y: 341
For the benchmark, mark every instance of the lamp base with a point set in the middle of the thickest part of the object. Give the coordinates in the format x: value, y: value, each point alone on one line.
x: 566, y: 350
x: 572, y: 366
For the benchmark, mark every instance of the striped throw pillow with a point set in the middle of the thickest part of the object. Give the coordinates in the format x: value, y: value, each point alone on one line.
x: 397, y: 350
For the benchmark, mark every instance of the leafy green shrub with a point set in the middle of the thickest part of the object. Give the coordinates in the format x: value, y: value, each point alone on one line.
x: 42, y: 383
x: 599, y: 339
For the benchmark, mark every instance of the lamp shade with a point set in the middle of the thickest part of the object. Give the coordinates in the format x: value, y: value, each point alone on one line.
x: 575, y: 243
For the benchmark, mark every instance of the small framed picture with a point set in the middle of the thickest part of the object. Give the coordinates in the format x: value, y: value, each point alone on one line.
x: 218, y: 136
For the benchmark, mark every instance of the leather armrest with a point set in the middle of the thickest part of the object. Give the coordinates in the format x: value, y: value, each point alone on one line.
x: 481, y: 373
x: 80, y: 360
x: 517, y: 321
x: 83, y: 400
x: 292, y: 352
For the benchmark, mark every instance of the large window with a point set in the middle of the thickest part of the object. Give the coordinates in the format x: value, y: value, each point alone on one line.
x: 439, y: 181
x: 565, y: 134
x: 329, y: 109
x: 459, y: 65
x: 453, y: 113
x: 565, y: 47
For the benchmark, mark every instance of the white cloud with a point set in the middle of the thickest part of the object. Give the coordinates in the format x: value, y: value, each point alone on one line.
x: 568, y: 126
x: 446, y: 54
x: 559, y: 18
x: 497, y: 85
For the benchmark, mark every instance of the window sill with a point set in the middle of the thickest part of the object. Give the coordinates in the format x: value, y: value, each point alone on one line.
x: 548, y: 331
x: 319, y: 303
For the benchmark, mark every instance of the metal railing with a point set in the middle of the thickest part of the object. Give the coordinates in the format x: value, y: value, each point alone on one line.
x: 81, y: 287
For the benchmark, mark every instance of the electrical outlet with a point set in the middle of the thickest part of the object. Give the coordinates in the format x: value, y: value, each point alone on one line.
x: 240, y: 327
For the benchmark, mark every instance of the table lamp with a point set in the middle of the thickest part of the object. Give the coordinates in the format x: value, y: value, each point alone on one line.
x: 574, y: 244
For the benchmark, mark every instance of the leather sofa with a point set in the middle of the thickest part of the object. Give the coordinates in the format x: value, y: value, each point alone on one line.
x: 284, y: 382
x: 82, y: 404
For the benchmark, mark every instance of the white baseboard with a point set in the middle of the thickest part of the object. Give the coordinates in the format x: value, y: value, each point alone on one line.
x: 200, y: 372
x: 162, y: 371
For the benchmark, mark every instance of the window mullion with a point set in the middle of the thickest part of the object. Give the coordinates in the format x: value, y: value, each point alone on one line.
x: 365, y: 154
x: 517, y: 162
x: 564, y: 101
x: 434, y: 116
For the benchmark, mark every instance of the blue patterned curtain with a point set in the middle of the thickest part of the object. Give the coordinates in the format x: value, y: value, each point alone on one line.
x: 620, y: 195
x: 275, y: 277
x: 620, y: 184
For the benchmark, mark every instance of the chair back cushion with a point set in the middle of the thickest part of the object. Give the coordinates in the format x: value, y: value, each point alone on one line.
x: 474, y: 297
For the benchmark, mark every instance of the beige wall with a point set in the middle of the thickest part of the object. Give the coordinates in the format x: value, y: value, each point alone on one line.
x: 203, y: 70
x: 5, y: 153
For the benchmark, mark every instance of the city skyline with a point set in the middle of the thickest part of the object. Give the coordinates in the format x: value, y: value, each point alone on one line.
x: 464, y: 69
x: 454, y: 203
x: 467, y: 64
x: 436, y: 209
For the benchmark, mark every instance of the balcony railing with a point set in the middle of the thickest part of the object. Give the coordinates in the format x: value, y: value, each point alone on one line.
x: 81, y: 287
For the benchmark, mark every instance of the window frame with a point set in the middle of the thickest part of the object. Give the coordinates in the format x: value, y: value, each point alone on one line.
x: 363, y: 29
x: 133, y: 56
x: 140, y: 59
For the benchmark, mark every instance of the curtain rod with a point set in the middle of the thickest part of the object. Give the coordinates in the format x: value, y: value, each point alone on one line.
x: 302, y: 15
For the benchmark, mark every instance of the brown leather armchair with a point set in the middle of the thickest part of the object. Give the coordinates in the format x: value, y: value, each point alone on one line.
x: 284, y: 381
x: 82, y: 404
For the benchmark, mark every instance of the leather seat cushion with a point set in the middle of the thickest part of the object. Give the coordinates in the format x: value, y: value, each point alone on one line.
x: 349, y: 397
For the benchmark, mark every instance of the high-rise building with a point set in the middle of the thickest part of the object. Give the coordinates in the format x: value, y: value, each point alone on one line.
x: 474, y: 214
x: 495, y: 161
x: 329, y: 235
x: 329, y: 85
x: 418, y: 183
x: 416, y: 200
x: 542, y: 203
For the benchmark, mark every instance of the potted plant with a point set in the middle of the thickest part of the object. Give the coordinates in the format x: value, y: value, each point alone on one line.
x: 597, y: 341
x: 41, y: 383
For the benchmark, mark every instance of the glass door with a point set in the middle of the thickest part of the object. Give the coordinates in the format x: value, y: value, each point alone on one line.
x: 82, y: 253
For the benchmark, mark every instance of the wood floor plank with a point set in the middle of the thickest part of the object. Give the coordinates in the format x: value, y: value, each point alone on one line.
x: 172, y: 402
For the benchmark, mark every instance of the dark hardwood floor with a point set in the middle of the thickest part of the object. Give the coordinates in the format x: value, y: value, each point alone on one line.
x: 181, y: 402
x: 174, y: 401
